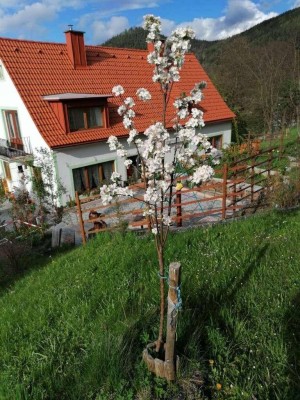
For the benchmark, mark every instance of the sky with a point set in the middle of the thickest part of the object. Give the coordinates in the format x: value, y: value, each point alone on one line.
x: 46, y: 20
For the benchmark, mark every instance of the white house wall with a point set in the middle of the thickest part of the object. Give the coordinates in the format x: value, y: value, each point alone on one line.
x: 223, y: 128
x: 11, y: 100
x: 69, y: 158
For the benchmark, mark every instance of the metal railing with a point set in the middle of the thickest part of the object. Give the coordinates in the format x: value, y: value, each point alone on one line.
x: 15, y: 147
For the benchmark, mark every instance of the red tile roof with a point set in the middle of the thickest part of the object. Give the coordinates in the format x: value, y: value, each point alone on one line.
x: 38, y: 69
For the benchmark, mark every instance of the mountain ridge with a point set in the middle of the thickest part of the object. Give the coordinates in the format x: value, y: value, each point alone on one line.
x: 283, y: 27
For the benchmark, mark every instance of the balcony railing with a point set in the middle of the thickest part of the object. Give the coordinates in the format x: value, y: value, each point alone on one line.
x: 15, y: 148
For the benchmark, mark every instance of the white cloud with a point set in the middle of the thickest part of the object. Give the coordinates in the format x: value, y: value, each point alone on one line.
x: 167, y: 26
x: 102, y: 31
x: 297, y: 4
x: 27, y: 19
x: 31, y: 18
x: 239, y: 16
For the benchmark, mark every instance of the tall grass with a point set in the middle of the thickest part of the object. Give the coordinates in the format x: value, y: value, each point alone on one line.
x: 75, y: 329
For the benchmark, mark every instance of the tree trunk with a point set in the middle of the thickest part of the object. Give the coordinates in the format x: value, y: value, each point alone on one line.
x: 160, y: 342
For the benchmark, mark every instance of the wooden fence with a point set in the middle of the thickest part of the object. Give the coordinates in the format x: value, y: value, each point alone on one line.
x: 238, y: 186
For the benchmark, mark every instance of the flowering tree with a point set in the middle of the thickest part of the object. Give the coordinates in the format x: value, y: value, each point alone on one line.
x: 163, y: 165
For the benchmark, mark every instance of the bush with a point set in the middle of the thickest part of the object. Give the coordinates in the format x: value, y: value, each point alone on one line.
x: 286, y: 189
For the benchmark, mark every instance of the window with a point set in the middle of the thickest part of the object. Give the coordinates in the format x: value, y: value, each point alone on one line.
x: 85, y: 117
x: 13, y: 129
x: 92, y: 176
x: 216, y: 141
x: 12, y: 124
x: 1, y: 73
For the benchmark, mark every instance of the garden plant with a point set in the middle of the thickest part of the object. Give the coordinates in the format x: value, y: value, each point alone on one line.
x: 164, y: 167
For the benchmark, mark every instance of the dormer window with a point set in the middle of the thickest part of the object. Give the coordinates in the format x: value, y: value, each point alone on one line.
x: 80, y: 111
x: 85, y: 117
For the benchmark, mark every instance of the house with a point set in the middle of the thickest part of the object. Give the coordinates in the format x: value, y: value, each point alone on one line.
x: 58, y: 96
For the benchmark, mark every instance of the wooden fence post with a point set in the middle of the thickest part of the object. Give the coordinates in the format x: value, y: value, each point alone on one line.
x: 224, y: 190
x: 270, y: 162
x: 174, y: 301
x: 234, y: 187
x: 281, y: 146
x: 178, y: 209
x: 252, y: 179
x: 82, y: 231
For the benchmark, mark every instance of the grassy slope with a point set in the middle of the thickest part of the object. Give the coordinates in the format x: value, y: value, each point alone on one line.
x: 76, y: 328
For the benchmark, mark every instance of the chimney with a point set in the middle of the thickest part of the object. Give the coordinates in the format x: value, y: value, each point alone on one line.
x: 150, y: 47
x: 75, y: 47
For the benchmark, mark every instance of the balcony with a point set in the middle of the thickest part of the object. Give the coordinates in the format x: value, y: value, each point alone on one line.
x: 15, y: 149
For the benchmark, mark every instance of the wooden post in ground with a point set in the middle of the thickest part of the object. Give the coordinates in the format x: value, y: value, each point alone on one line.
x: 174, y: 301
x: 252, y: 179
x: 224, y: 190
x: 179, y: 209
x: 281, y: 147
x: 270, y: 163
x: 234, y: 187
x: 80, y: 219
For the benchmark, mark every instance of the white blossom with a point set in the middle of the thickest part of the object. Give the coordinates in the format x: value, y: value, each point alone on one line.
x: 132, y: 134
x: 115, y: 176
x: 130, y: 114
x: 153, y: 146
x: 107, y: 194
x: 196, y: 112
x: 151, y: 195
x: 183, y: 113
x: 178, y: 103
x: 118, y: 90
x: 127, y: 122
x: 121, y: 153
x: 202, y: 174
x: 129, y: 102
x: 127, y: 163
x: 122, y: 109
x: 113, y: 143
x: 143, y: 94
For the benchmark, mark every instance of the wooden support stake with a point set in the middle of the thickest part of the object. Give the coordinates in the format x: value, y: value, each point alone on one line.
x: 270, y: 162
x: 224, y: 194
x: 234, y: 191
x: 81, y: 223
x: 252, y: 179
x: 281, y: 146
x: 179, y: 208
x: 173, y: 301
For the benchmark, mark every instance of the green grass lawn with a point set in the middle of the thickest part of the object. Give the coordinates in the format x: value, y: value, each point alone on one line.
x: 75, y: 328
x: 290, y: 146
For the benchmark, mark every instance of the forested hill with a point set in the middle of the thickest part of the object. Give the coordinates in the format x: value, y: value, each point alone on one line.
x: 257, y: 71
x: 284, y: 27
x: 133, y: 38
